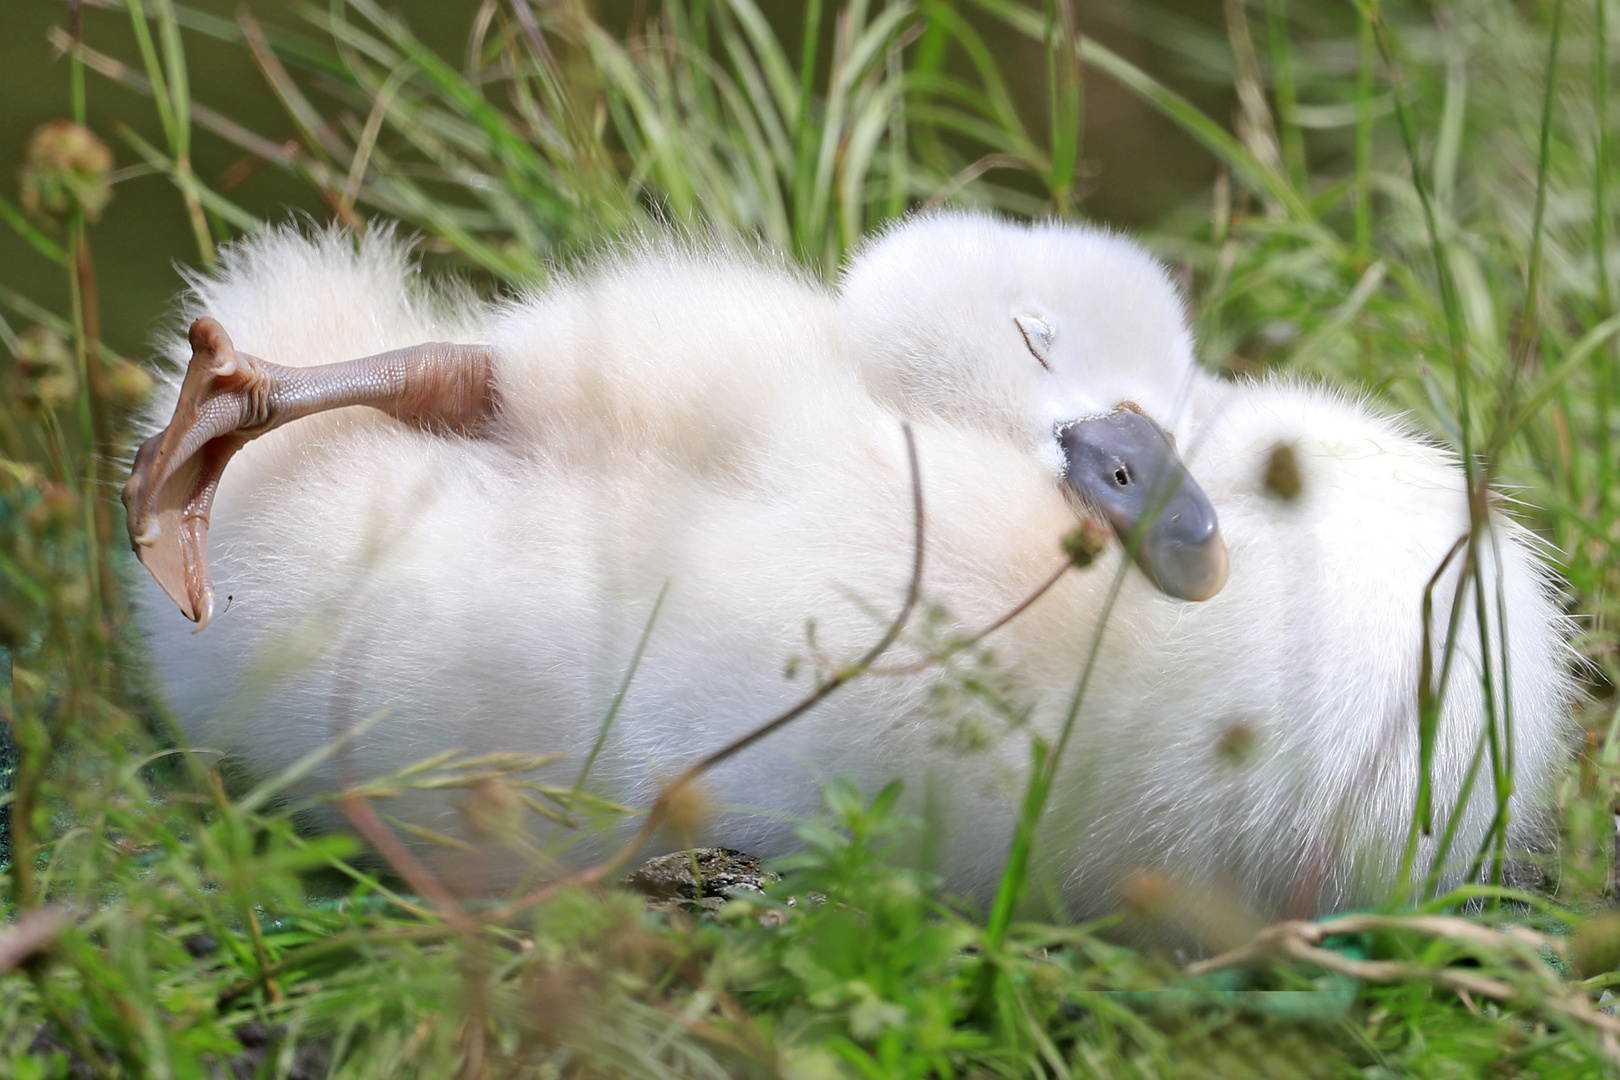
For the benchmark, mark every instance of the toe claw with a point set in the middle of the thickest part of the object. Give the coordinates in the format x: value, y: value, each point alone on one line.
x: 171, y: 488
x: 228, y: 398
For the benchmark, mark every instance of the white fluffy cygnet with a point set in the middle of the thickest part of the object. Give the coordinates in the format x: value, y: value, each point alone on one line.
x: 713, y: 427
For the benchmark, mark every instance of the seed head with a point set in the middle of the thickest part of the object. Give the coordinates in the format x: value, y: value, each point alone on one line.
x: 1597, y: 945
x: 46, y: 362
x: 1083, y: 542
x: 686, y: 808
x: 1282, y: 473
x: 1147, y: 892
x: 56, y: 513
x: 66, y: 168
x: 493, y: 809
x: 1236, y: 743
x: 128, y: 384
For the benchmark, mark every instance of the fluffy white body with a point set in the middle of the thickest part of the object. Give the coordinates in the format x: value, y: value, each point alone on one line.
x: 714, y: 423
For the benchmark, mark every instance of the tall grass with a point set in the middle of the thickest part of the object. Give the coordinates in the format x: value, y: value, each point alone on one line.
x: 1412, y: 203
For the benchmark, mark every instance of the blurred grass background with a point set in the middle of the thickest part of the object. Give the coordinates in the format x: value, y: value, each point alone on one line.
x: 1139, y: 165
x: 1413, y: 202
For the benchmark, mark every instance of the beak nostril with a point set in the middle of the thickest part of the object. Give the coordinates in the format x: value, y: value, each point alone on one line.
x: 1122, y: 476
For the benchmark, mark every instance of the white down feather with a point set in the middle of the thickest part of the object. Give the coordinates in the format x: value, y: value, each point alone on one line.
x: 715, y: 421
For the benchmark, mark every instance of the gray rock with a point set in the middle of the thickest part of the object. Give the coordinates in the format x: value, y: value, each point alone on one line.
x: 700, y: 880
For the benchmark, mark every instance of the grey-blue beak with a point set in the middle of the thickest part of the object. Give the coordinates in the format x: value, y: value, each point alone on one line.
x: 1124, y: 465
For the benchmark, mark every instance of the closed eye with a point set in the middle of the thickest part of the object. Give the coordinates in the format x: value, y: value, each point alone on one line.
x: 1038, y: 335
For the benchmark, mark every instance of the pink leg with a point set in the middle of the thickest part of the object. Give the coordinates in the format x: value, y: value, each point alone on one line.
x: 229, y: 398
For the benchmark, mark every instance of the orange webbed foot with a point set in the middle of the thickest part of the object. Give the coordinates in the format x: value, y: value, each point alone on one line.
x: 224, y: 402
x: 229, y: 398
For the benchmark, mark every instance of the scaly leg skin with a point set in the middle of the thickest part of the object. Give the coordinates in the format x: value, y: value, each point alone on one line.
x: 229, y: 398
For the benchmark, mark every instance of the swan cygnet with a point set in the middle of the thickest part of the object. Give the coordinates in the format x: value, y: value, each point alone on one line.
x: 472, y: 562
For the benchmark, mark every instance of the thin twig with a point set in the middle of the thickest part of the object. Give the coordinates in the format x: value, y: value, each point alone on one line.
x: 961, y: 646
x: 675, y: 788
x: 1300, y: 941
x: 283, y: 154
x: 1429, y: 698
x: 358, y: 809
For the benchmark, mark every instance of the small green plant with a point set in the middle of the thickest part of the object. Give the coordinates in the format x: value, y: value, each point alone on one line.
x: 868, y: 967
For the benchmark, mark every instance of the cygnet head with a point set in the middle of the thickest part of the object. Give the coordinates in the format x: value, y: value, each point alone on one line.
x: 1067, y: 339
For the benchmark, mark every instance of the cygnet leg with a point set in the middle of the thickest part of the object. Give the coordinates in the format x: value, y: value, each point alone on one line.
x: 229, y: 398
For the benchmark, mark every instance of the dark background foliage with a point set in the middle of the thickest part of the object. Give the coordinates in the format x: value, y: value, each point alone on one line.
x: 1138, y: 165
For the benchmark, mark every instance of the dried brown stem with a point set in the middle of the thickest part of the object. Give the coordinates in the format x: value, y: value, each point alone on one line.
x: 32, y: 932
x: 357, y: 808
x: 1300, y: 941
